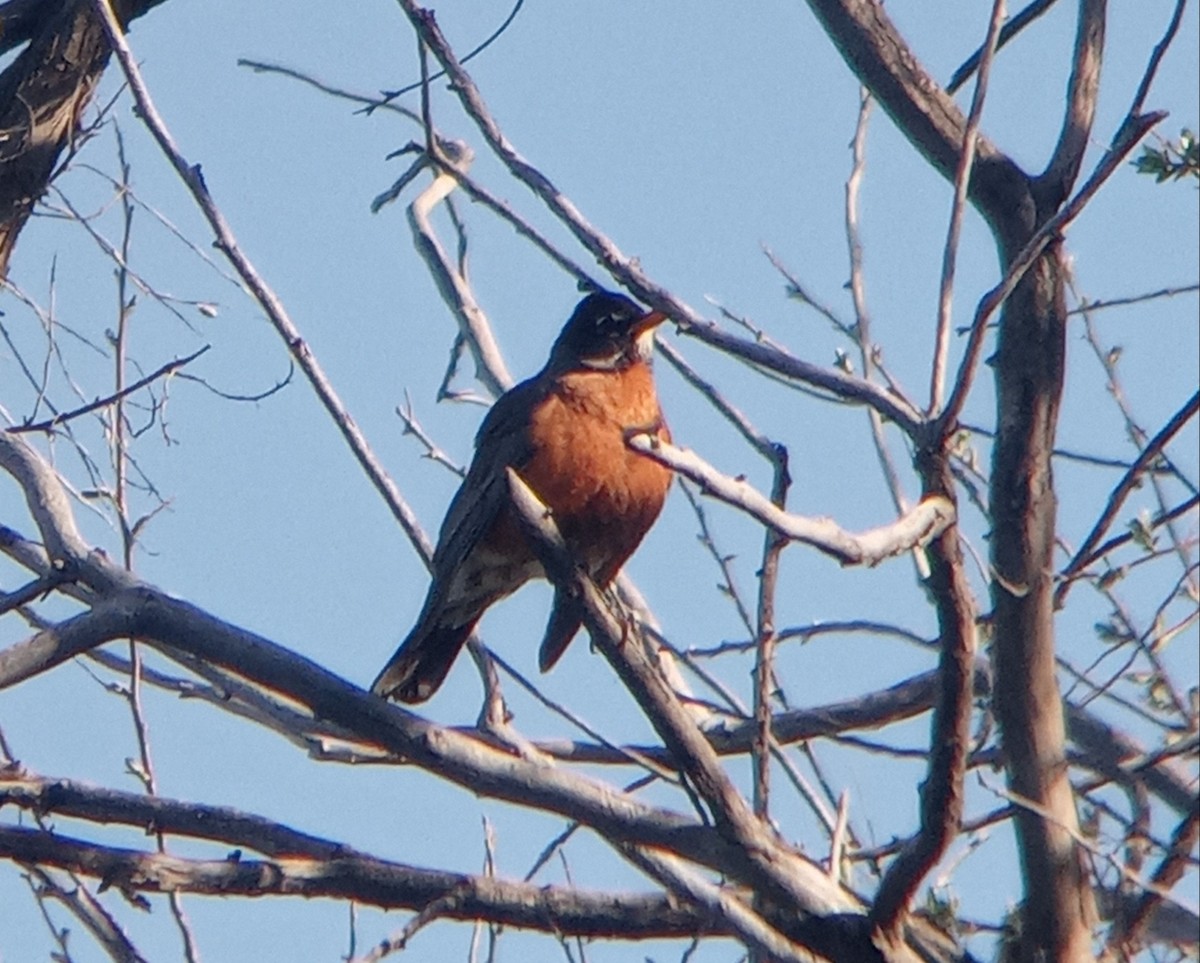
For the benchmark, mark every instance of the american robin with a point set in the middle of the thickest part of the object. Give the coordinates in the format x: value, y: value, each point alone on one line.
x: 564, y: 432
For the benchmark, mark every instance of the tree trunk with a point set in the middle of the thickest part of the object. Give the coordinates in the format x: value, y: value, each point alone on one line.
x: 1058, y: 907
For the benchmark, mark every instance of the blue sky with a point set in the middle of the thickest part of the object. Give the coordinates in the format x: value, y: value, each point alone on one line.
x: 693, y: 135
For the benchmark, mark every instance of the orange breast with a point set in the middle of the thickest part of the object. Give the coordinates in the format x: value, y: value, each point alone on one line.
x: 604, y: 496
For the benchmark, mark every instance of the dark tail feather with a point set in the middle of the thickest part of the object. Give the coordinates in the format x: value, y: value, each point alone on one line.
x: 565, y: 619
x: 420, y: 665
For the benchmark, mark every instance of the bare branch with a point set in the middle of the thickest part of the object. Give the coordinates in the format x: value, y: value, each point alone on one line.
x: 266, y: 297
x: 962, y: 178
x: 1127, y: 933
x: 1171, y: 292
x: 1128, y: 137
x: 490, y: 368
x: 860, y: 333
x: 942, y: 792
x: 1054, y: 184
x: 1013, y: 26
x: 51, y: 510
x: 350, y: 875
x: 878, y: 55
x: 847, y: 387
x: 1160, y: 51
x: 603, y: 249
x: 686, y: 883
x: 764, y: 665
x: 1116, y: 499
x: 51, y: 423
x: 1162, y: 518
x: 785, y: 878
x: 373, y: 102
x: 924, y: 522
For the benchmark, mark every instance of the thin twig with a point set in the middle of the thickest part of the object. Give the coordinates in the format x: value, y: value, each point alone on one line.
x: 1128, y: 482
x: 1088, y: 306
x: 266, y: 297
x: 51, y: 423
x: 1162, y: 518
x: 962, y: 179
x: 728, y: 585
x: 1128, y: 137
x: 1160, y: 51
x: 861, y: 331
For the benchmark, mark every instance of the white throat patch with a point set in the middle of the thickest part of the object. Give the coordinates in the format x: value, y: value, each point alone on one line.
x: 608, y: 362
x: 644, y: 345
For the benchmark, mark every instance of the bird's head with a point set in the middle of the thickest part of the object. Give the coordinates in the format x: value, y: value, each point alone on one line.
x: 606, y: 332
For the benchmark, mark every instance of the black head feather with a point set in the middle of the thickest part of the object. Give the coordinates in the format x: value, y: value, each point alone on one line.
x: 602, y: 332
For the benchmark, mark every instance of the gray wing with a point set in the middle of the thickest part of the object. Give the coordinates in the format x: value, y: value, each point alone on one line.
x: 502, y: 441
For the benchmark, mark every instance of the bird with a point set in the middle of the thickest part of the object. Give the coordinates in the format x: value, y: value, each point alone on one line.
x: 564, y: 432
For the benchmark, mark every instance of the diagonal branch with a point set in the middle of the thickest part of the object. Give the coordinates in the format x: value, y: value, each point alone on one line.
x: 942, y: 795
x: 687, y: 884
x: 844, y: 386
x: 51, y: 423
x: 1129, y: 481
x: 262, y: 292
x: 1013, y: 26
x: 490, y: 368
x: 835, y: 926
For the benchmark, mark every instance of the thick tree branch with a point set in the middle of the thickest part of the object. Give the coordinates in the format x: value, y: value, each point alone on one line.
x: 827, y: 921
x: 364, y: 879
x: 50, y: 507
x: 729, y: 907
x: 96, y: 804
x: 143, y: 612
x: 1055, y: 183
x: 942, y: 792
